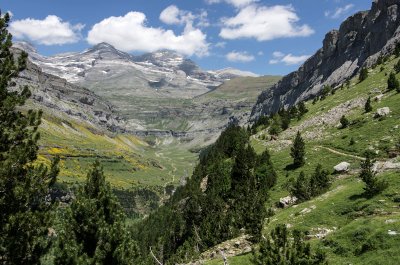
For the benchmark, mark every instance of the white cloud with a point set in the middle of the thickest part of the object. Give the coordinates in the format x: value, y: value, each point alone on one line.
x: 173, y: 15
x: 339, y: 11
x: 288, y: 59
x: 277, y: 54
x: 243, y: 57
x: 260, y: 53
x: 264, y: 23
x: 235, y: 3
x: 50, y: 31
x: 220, y: 44
x: 130, y: 33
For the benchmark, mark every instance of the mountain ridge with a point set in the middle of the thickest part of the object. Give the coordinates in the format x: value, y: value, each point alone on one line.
x: 358, y: 43
x: 156, y: 93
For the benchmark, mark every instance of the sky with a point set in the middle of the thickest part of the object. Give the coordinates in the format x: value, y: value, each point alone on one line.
x: 262, y: 36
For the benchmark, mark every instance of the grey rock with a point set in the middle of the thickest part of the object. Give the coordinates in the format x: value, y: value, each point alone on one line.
x: 287, y: 201
x: 342, y: 167
x: 382, y: 112
x: 61, y: 98
x: 359, y: 42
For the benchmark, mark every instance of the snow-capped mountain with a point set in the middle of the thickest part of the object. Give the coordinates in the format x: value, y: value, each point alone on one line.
x: 151, y: 91
x: 164, y: 72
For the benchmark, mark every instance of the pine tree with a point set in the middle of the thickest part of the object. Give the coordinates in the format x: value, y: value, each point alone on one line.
x: 373, y: 186
x: 319, y: 181
x: 297, y: 152
x: 397, y: 50
x: 363, y: 74
x: 276, y: 125
x: 344, y: 122
x: 301, y: 188
x: 25, y: 211
x: 397, y: 67
x: 279, y: 248
x: 94, y: 231
x: 368, y: 106
x: 302, y: 109
x: 393, y: 83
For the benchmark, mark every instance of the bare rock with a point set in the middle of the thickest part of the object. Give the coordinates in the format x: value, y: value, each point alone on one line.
x: 382, y: 112
x: 342, y: 167
x: 360, y: 41
x: 287, y: 201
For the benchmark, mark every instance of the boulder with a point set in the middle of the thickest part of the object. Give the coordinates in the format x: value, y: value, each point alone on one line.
x: 342, y: 167
x: 378, y: 97
x: 287, y: 201
x: 382, y: 112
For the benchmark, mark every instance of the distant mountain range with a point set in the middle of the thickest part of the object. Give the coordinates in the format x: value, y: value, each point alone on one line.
x: 153, y: 91
x: 162, y: 73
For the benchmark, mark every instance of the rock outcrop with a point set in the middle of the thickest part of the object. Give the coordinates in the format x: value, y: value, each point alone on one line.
x: 382, y: 112
x: 358, y: 43
x: 342, y: 167
x: 64, y: 99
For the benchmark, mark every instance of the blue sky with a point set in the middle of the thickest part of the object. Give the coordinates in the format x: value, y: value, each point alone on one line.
x: 262, y: 36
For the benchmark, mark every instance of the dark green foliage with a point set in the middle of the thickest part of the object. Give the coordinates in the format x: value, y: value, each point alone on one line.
x: 344, y: 122
x: 93, y: 227
x: 25, y: 211
x: 397, y: 50
x: 363, y: 75
x: 226, y: 193
x: 373, y: 186
x: 300, y: 188
x: 285, y: 118
x: 276, y: 125
x: 368, y: 106
x: 326, y: 90
x: 319, y: 181
x: 280, y: 248
x: 379, y: 61
x: 352, y: 141
x: 393, y: 83
x: 280, y: 121
x: 397, y: 67
x: 302, y: 109
x: 304, y: 188
x: 297, y: 151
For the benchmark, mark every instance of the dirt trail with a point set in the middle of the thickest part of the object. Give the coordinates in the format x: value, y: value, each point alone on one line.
x: 340, y: 153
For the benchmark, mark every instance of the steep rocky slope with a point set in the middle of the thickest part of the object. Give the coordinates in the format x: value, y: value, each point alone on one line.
x: 61, y: 99
x: 358, y: 43
x: 158, y: 93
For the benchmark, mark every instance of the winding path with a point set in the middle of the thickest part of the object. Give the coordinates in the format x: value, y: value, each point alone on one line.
x: 340, y: 153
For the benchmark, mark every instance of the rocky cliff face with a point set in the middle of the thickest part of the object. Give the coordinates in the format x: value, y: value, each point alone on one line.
x: 360, y: 40
x: 61, y: 99
x: 155, y: 93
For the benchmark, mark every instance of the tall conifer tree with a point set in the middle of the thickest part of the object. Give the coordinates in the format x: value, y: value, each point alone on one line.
x: 25, y: 211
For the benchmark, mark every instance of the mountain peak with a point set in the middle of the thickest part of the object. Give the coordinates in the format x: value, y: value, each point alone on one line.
x: 230, y: 72
x: 103, y: 46
x: 25, y: 46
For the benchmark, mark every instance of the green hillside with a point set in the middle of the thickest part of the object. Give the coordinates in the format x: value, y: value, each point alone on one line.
x: 128, y: 160
x: 351, y: 228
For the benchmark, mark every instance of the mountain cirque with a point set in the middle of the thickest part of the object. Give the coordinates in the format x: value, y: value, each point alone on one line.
x: 160, y: 93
